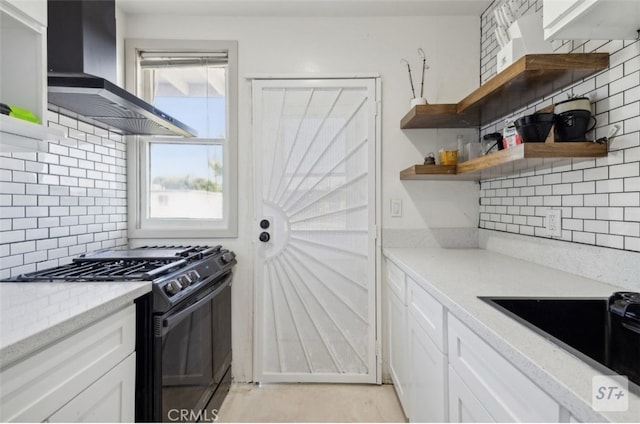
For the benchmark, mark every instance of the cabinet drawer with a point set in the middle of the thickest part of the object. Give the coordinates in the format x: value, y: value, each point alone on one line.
x: 39, y: 385
x: 396, y: 281
x: 506, y: 393
x: 427, y: 312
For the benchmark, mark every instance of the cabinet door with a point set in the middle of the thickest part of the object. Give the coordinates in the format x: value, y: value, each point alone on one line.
x: 555, y: 10
x: 110, y: 399
x: 397, y: 348
x: 427, y: 370
x: 590, y: 19
x: 34, y: 388
x: 36, y: 9
x: 504, y: 390
x: 464, y: 407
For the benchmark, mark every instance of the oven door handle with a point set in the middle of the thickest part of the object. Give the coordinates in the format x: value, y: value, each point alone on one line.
x: 170, y: 322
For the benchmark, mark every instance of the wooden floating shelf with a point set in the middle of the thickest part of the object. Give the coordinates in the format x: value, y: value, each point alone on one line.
x: 524, y: 157
x: 429, y: 172
x: 528, y: 79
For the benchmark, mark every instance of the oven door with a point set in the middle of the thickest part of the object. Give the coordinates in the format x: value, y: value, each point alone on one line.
x: 188, y: 348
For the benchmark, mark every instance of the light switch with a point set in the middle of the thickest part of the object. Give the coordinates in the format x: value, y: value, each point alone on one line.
x: 396, y: 208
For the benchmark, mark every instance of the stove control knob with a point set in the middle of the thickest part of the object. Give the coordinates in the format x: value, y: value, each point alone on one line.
x: 184, y: 280
x: 194, y: 276
x: 173, y: 287
x: 228, y: 257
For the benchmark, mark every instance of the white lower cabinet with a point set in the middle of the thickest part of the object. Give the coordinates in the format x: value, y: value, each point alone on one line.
x: 427, y: 362
x: 428, y: 367
x: 397, y: 347
x: 88, y: 375
x: 464, y: 407
x: 505, y: 393
x: 397, y: 325
x: 449, y: 373
x: 415, y: 332
x: 110, y: 399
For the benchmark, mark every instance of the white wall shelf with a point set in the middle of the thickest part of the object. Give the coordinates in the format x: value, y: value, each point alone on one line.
x: 17, y: 135
x: 23, y: 37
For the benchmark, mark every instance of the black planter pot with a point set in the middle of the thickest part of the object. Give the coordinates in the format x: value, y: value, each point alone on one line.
x: 573, y: 125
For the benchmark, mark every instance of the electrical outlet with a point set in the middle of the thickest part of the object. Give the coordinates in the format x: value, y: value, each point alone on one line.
x: 553, y: 222
x: 396, y: 208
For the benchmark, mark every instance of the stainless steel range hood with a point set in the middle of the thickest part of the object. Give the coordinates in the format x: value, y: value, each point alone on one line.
x: 82, y: 68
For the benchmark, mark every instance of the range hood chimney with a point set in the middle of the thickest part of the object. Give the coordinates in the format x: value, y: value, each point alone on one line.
x: 82, y: 71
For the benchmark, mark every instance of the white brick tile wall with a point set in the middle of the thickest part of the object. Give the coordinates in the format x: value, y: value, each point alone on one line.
x: 58, y: 204
x: 600, y: 199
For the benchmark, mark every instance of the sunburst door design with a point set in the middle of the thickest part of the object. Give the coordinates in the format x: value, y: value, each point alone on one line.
x: 315, y: 276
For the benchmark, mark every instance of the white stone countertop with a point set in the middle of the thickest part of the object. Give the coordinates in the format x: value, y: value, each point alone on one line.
x: 33, y: 315
x: 455, y: 277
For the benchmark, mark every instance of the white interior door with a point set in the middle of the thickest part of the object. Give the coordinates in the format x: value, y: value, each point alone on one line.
x: 315, y: 273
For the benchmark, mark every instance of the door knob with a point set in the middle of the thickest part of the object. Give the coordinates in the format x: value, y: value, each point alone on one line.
x: 264, y: 224
x: 264, y: 237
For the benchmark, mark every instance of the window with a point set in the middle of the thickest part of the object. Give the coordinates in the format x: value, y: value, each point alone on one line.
x: 185, y: 187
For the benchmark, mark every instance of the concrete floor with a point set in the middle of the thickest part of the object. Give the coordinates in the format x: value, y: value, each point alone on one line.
x: 311, y: 403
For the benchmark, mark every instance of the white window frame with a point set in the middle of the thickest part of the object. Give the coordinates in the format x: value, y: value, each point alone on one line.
x: 141, y: 227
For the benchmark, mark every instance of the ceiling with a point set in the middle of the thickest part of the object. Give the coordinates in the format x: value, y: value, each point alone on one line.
x: 306, y: 8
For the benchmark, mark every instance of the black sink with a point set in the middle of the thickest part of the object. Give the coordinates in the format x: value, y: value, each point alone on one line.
x: 579, y: 325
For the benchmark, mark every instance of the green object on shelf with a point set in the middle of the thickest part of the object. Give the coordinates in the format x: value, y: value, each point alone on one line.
x: 18, y: 112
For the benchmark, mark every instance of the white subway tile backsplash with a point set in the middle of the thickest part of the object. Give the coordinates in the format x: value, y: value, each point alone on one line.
x: 37, y: 211
x: 48, y: 200
x: 625, y: 228
x: 594, y: 226
x: 631, y: 243
x: 37, y: 233
x: 48, y: 222
x: 624, y: 199
x: 625, y: 170
x: 572, y: 176
x: 607, y: 240
x: 585, y: 238
x: 24, y: 200
x: 559, y: 189
x: 552, y: 201
x: 11, y: 163
x: 624, y: 83
x: 12, y: 236
x: 625, y: 112
x: 13, y: 212
x: 48, y: 179
x: 37, y: 189
x: 610, y: 186
x: 632, y: 184
x: 12, y: 188
x: 592, y: 174
x: 24, y: 223
x: 33, y: 257
x: 596, y: 200
x: 572, y: 224
x: 47, y: 194
x: 573, y: 200
x: 632, y: 214
x: 584, y: 187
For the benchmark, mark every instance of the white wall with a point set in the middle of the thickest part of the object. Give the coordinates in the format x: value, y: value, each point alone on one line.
x: 335, y: 45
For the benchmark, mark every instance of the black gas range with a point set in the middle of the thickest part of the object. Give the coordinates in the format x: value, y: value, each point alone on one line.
x: 183, y: 335
x: 175, y: 271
